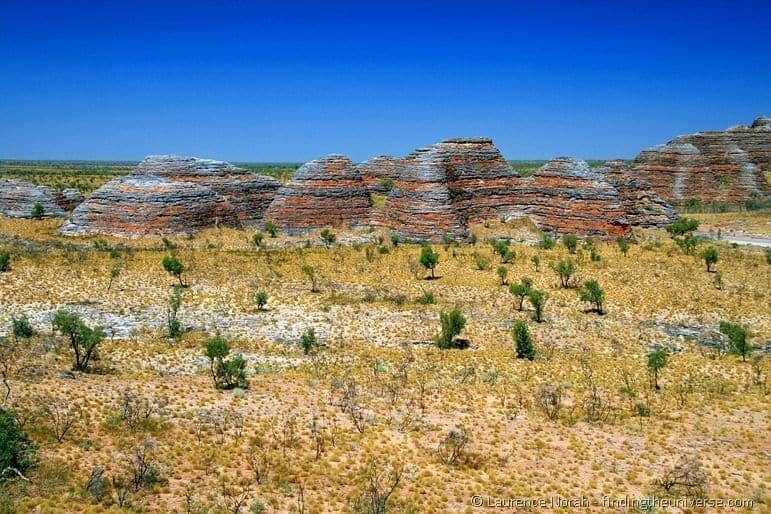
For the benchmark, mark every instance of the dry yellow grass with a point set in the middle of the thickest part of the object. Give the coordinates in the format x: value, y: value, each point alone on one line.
x: 408, y: 395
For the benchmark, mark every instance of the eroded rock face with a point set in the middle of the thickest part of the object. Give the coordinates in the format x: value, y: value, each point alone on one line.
x: 726, y: 166
x: 327, y: 192
x: 380, y: 173
x: 248, y: 194
x: 18, y: 198
x: 567, y: 196
x: 137, y: 205
x: 446, y: 186
x: 174, y: 195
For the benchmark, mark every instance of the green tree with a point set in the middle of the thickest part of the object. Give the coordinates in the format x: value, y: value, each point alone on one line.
x: 226, y: 373
x: 174, y: 267
x: 565, y: 269
x: 271, y: 229
x: 310, y: 272
x: 395, y: 240
x: 257, y: 238
x: 687, y: 243
x: 16, y: 450
x: 656, y: 362
x: 547, y: 243
x: 623, y: 245
x: 536, y: 260
x: 308, y: 341
x: 37, y: 211
x: 682, y: 226
x: 737, y: 335
x: 710, y: 257
x: 328, y: 237
x: 522, y: 341
x: 83, y: 339
x: 521, y: 290
x: 538, y: 301
x: 501, y: 247
x: 452, y: 323
x: 261, y: 299
x: 429, y: 258
x: 502, y: 272
x: 571, y: 242
x: 5, y: 260
x: 592, y: 292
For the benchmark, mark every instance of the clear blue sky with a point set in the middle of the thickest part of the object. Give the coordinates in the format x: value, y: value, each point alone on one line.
x: 247, y: 81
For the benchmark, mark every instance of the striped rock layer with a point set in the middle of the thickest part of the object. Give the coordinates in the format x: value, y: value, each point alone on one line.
x: 174, y: 195
x: 327, y: 192
x: 567, y: 196
x: 728, y: 166
x: 18, y: 198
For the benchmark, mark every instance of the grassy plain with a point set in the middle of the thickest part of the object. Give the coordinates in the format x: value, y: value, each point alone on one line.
x: 316, y: 433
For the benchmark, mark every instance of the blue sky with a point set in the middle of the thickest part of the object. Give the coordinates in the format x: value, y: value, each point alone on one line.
x: 247, y: 81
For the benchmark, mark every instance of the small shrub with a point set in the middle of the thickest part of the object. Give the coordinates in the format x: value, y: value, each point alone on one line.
x: 687, y: 243
x: 328, y: 237
x: 592, y: 292
x: 271, y: 229
x: 450, y: 449
x: 547, y: 243
x: 571, y: 242
x: 16, y: 450
x: 623, y: 245
x: 21, y: 328
x: 37, y: 211
x: 502, y: 272
x: 395, y: 240
x: 452, y: 323
x: 538, y: 301
x: 261, y: 299
x: 226, y: 373
x: 427, y: 298
x: 387, y: 183
x: 429, y: 259
x: 308, y: 341
x: 5, y: 260
x: 656, y: 362
x: 481, y: 261
x: 737, y: 335
x: 710, y: 257
x: 686, y: 477
x: 257, y: 238
x: 310, y: 272
x: 522, y: 341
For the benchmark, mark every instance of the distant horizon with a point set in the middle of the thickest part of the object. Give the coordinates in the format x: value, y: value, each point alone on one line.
x: 264, y: 82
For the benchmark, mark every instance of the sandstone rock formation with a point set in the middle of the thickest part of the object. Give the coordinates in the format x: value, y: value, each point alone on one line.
x: 379, y: 173
x: 174, y: 195
x: 567, y: 196
x: 446, y: 186
x: 248, y: 194
x: 18, y: 198
x: 327, y: 192
x: 728, y: 166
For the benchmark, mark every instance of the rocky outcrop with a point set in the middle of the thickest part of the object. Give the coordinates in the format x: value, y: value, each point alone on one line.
x: 327, y: 192
x: 248, y: 194
x: 445, y: 187
x: 727, y: 166
x: 174, y: 195
x: 567, y: 196
x: 18, y: 198
x: 380, y: 173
